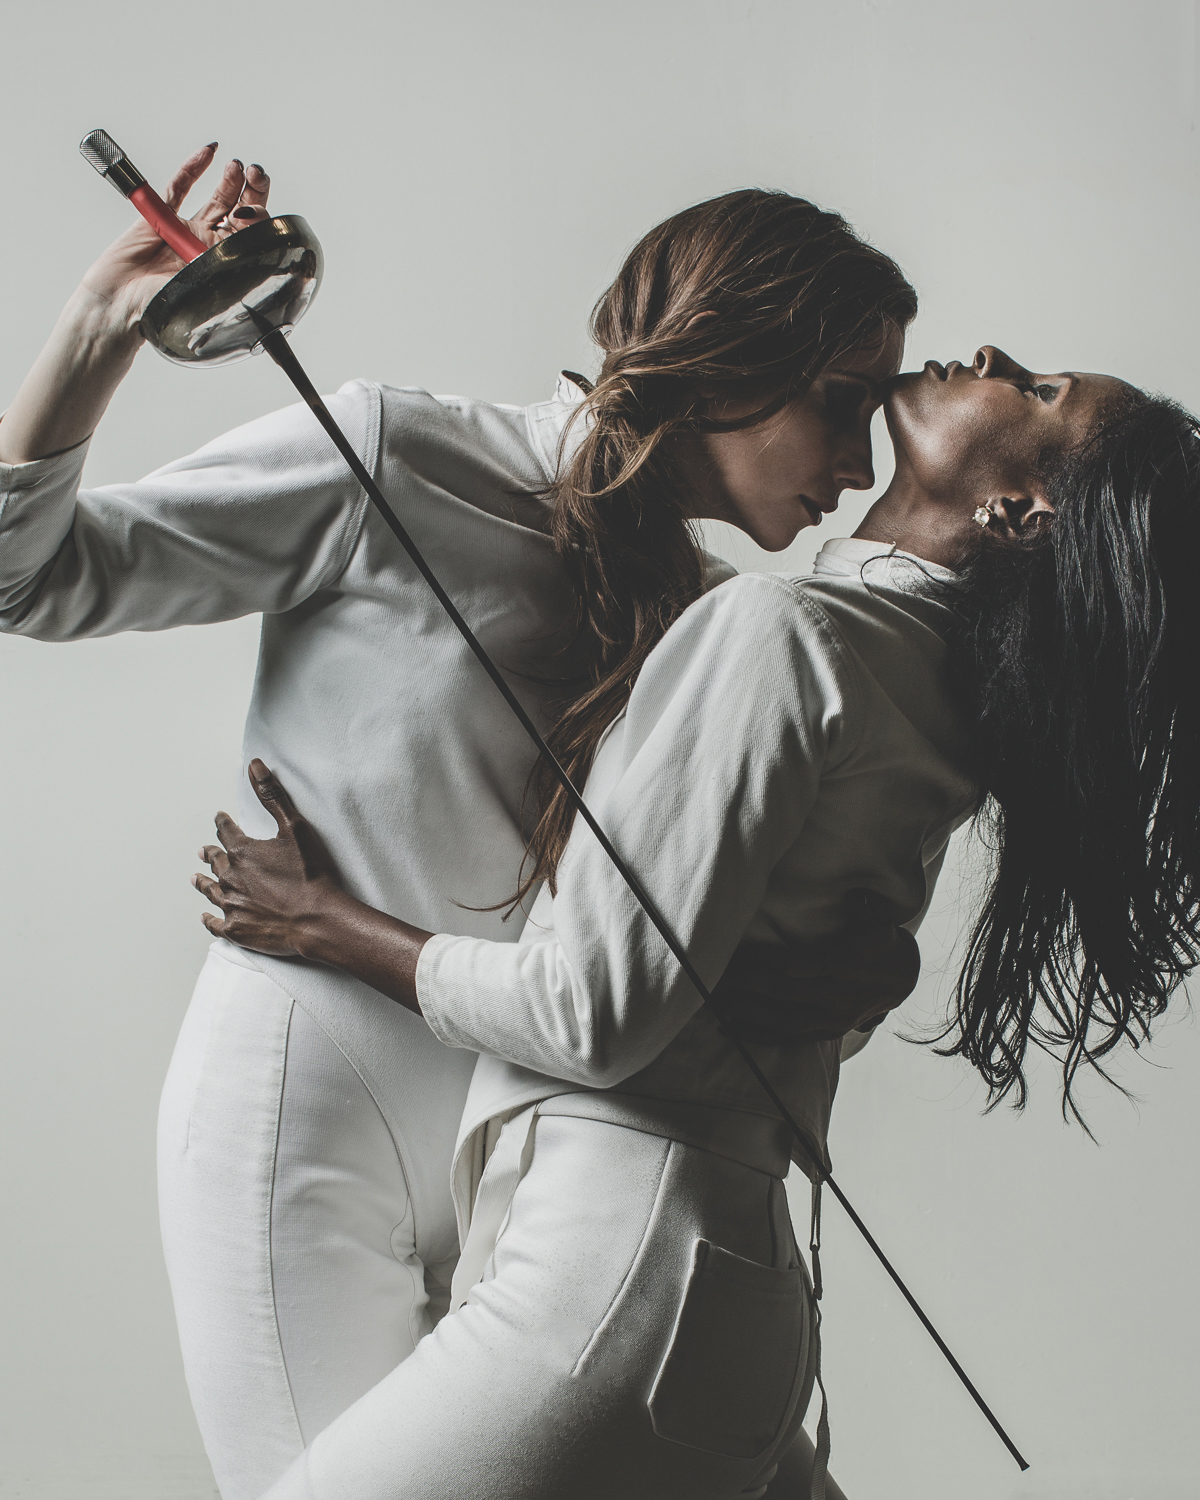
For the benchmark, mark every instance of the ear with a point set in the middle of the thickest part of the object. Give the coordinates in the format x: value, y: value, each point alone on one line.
x: 1021, y: 515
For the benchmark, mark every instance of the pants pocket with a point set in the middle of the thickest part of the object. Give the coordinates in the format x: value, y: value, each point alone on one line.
x: 728, y: 1381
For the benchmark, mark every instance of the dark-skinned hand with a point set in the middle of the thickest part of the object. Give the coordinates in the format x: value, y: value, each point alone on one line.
x: 270, y: 892
x: 283, y: 896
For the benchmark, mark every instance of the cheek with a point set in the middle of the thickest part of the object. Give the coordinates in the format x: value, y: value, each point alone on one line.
x: 799, y: 458
x: 782, y: 463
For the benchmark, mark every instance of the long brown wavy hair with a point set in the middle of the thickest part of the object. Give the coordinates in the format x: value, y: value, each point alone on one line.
x: 749, y: 295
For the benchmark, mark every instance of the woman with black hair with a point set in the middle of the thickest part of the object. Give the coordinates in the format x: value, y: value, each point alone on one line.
x: 634, y: 1319
x: 1072, y: 665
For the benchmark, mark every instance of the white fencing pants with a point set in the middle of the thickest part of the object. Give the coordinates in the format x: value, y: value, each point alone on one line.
x: 301, y: 1253
x: 643, y: 1332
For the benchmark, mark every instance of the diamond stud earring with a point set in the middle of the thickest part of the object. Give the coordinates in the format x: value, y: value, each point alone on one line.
x: 982, y: 516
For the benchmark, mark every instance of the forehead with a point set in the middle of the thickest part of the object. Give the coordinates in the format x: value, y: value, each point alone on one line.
x: 1091, y: 387
x: 1092, y: 396
x: 877, y: 360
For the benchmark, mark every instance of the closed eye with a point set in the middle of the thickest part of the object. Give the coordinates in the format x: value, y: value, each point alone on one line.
x: 844, y: 401
x: 1044, y: 392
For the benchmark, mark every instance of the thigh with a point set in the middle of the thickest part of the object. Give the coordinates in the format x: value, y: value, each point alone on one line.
x: 348, y: 1283
x: 290, y: 1234
x: 544, y: 1384
x: 217, y: 1137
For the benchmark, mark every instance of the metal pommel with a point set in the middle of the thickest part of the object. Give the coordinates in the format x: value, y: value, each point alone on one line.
x: 110, y: 161
x: 220, y: 307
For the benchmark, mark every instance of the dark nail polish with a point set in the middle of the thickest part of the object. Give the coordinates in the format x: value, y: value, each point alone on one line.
x: 243, y: 213
x: 238, y: 165
x: 255, y: 167
x: 212, y: 145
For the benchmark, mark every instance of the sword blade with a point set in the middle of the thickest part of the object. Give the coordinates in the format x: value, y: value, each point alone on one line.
x: 277, y: 346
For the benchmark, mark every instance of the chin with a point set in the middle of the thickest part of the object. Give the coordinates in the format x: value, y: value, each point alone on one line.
x: 904, y: 394
x: 780, y: 538
x: 910, y: 410
x: 774, y: 529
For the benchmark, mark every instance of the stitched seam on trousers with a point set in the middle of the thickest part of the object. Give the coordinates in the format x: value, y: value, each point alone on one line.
x: 414, y: 1330
x: 634, y: 1261
x: 271, y: 1234
x: 401, y: 1156
x: 396, y: 1147
x: 523, y: 1165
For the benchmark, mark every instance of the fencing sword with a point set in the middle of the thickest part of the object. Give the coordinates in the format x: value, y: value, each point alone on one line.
x: 243, y: 296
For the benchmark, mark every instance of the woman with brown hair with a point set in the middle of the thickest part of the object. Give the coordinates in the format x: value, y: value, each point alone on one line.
x: 308, y: 1124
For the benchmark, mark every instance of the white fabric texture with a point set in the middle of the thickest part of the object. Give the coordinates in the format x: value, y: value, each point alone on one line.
x: 389, y: 736
x: 289, y: 1230
x: 581, y: 1367
x: 788, y: 741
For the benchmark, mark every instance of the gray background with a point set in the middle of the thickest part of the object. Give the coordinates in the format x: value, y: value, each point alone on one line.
x: 476, y: 172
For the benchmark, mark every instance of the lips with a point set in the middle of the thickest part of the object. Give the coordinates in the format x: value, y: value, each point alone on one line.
x: 817, y: 511
x: 938, y: 371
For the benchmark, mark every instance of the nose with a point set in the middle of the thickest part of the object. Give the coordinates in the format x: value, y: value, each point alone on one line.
x: 854, y: 469
x: 993, y: 363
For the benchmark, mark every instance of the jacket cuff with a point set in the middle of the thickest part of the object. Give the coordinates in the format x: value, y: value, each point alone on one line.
x: 435, y: 986
x: 19, y: 478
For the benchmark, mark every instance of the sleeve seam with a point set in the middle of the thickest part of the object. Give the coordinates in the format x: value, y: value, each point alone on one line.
x: 358, y: 513
x: 838, y: 646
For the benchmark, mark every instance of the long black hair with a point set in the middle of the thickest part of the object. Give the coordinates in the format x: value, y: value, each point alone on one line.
x: 1076, y: 666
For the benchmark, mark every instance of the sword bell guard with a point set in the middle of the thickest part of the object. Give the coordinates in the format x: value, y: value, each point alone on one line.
x: 220, y: 306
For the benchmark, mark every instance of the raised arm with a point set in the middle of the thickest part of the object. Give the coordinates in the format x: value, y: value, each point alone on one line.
x: 95, y: 340
x: 253, y: 522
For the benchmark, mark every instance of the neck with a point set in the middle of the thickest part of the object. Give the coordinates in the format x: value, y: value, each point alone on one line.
x: 907, y: 519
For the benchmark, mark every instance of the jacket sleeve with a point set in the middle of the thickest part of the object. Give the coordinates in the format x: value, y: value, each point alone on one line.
x: 711, y: 775
x: 256, y: 521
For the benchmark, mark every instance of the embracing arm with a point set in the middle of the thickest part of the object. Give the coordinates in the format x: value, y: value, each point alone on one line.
x: 282, y: 896
x: 703, y: 786
x: 602, y: 995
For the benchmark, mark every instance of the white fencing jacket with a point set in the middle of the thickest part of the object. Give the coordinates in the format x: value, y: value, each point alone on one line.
x: 376, y: 716
x: 788, y: 740
x: 374, y: 713
x: 366, y: 701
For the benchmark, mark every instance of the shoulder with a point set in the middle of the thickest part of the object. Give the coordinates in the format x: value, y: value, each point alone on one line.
x: 762, y: 609
x: 758, y: 635
x: 515, y: 443
x: 289, y: 445
x: 752, y: 668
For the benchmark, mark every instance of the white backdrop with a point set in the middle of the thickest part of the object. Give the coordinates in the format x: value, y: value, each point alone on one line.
x: 477, y: 172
